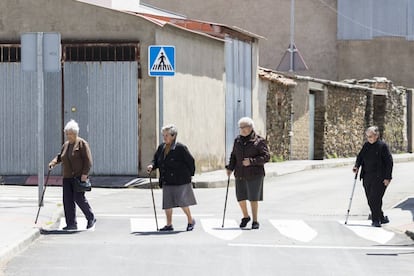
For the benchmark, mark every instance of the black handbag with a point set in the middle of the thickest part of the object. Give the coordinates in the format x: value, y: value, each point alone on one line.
x: 82, y: 186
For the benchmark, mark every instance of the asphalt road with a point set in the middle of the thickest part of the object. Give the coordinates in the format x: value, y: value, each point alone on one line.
x: 302, y: 233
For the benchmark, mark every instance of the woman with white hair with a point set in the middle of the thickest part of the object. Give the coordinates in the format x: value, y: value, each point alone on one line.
x: 376, y: 164
x: 247, y: 160
x: 176, y: 166
x: 76, y: 158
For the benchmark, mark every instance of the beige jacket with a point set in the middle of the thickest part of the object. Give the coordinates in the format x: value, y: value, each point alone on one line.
x: 77, y: 162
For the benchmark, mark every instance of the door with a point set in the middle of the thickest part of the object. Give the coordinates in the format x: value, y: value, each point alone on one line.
x: 311, y: 126
x: 103, y: 98
x: 238, y: 87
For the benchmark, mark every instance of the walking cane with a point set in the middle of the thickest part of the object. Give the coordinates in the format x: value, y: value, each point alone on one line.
x: 153, y: 202
x: 352, y: 195
x: 43, y: 195
x: 225, y: 202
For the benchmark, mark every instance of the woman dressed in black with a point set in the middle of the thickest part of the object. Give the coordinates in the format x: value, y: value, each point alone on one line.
x: 376, y: 165
x: 176, y: 167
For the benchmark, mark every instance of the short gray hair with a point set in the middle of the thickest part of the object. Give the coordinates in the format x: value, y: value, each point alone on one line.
x: 172, y: 129
x: 246, y: 121
x: 373, y: 129
x: 73, y: 126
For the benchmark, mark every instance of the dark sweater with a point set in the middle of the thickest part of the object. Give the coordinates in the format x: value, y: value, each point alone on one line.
x: 253, y: 147
x: 376, y: 159
x: 177, y: 167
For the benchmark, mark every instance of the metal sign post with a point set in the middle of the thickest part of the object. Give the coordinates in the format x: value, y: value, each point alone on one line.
x: 161, y: 63
x: 40, y: 52
x: 40, y: 117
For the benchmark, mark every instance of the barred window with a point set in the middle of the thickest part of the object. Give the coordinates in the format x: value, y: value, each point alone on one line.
x: 10, y: 53
x: 101, y: 52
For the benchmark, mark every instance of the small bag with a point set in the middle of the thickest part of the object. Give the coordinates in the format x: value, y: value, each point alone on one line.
x: 82, y: 186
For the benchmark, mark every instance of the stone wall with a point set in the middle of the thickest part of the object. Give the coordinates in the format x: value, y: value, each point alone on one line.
x: 342, y: 112
x: 278, y: 112
x: 345, y: 122
x: 389, y: 112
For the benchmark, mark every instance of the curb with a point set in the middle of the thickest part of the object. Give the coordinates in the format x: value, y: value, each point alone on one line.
x: 410, y: 234
x: 221, y: 182
x: 12, y: 250
x: 19, y: 246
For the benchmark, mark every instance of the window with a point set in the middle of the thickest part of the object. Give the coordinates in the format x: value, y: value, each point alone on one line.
x: 101, y: 52
x: 10, y: 53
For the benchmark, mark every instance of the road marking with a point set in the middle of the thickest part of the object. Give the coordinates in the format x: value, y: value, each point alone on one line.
x: 145, y: 225
x: 80, y: 220
x: 374, y: 248
x: 363, y: 229
x: 149, y: 215
x: 213, y: 227
x: 295, y: 229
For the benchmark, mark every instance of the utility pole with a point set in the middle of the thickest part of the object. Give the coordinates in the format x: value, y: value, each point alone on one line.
x: 292, y: 60
x: 292, y: 35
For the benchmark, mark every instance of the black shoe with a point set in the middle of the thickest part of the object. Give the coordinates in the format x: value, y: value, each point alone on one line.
x: 385, y: 220
x: 70, y: 228
x: 190, y: 226
x: 91, y: 223
x: 244, y: 222
x: 376, y: 224
x: 167, y: 228
x: 255, y: 225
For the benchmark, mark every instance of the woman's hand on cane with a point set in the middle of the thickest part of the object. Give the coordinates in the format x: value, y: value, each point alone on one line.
x: 228, y: 172
x: 355, y: 169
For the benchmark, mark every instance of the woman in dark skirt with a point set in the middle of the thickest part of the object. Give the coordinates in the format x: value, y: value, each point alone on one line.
x: 176, y: 166
x: 247, y: 160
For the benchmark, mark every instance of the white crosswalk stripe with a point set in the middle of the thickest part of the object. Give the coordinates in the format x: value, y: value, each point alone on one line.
x: 230, y: 231
x: 295, y: 229
x: 363, y: 229
x: 80, y: 220
x: 145, y: 225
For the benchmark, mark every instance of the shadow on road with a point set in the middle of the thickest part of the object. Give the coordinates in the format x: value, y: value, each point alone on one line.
x: 407, y: 205
x: 58, y: 232
x: 156, y: 233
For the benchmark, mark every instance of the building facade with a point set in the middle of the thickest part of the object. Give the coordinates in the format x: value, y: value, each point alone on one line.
x: 338, y: 39
x: 105, y: 86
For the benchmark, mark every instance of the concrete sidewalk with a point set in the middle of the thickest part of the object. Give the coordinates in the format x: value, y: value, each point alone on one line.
x: 17, y: 204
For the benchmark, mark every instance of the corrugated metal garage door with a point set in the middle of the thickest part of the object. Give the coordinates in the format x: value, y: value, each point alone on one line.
x: 238, y: 87
x: 18, y: 119
x: 103, y: 98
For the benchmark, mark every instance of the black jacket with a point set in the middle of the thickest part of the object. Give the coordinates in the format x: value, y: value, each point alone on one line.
x: 253, y: 147
x: 379, y: 154
x: 177, y: 167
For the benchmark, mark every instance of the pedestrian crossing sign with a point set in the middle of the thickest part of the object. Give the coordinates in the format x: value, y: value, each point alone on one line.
x: 161, y: 60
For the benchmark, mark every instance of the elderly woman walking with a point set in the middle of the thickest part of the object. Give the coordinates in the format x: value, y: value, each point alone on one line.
x: 77, y: 161
x: 247, y: 160
x: 376, y: 164
x: 176, y: 166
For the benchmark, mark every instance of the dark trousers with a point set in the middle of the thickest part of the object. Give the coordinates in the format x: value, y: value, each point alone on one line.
x: 374, y: 191
x: 70, y: 197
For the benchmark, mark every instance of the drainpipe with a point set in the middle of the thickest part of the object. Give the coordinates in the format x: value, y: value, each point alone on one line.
x: 291, y: 134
